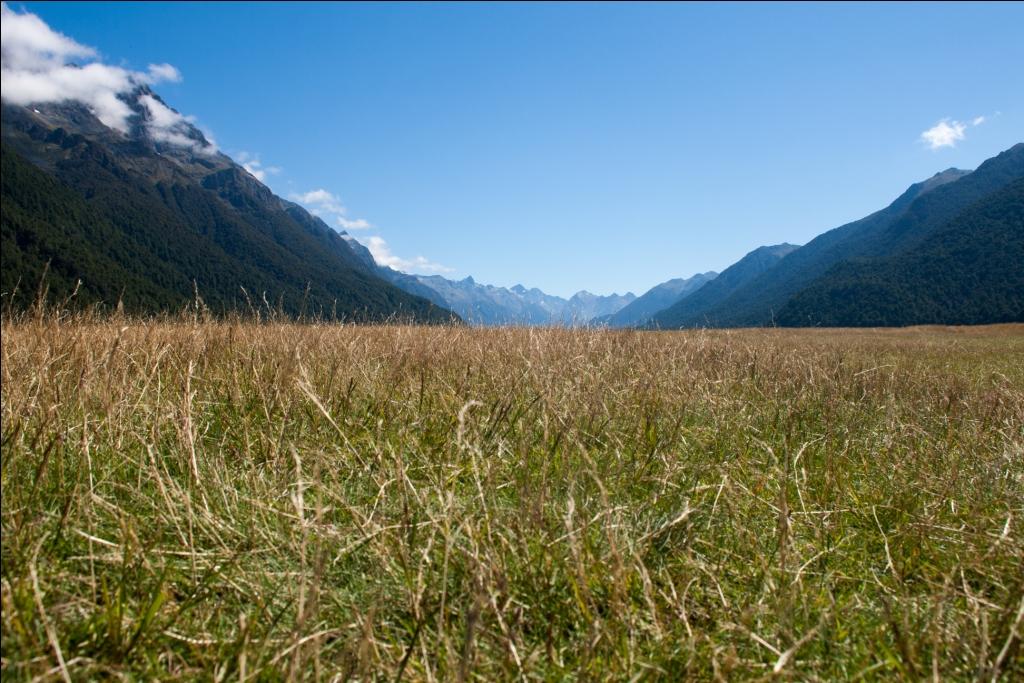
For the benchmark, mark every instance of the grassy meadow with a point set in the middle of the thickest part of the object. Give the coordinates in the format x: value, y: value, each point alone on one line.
x: 236, y: 501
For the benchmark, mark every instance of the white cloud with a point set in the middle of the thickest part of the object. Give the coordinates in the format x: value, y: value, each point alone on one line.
x: 94, y: 85
x: 382, y: 255
x: 327, y: 205
x: 166, y: 125
x: 163, y: 72
x: 207, y: 133
x: 948, y: 132
x: 36, y: 69
x: 321, y: 202
x: 255, y: 167
x: 945, y: 133
x: 357, y: 224
x: 29, y: 44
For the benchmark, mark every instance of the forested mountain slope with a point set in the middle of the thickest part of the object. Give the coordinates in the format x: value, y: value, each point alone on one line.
x: 970, y: 271
x: 151, y: 224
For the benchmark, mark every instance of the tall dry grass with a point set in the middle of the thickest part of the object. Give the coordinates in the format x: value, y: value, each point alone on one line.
x: 236, y: 501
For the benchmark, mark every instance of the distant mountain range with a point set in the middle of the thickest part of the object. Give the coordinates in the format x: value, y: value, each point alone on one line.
x: 480, y: 304
x: 654, y: 300
x: 153, y: 222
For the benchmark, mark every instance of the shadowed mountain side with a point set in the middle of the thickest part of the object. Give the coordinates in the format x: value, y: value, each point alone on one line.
x: 922, y: 209
x: 693, y: 306
x: 970, y: 271
x: 755, y: 301
x: 150, y: 224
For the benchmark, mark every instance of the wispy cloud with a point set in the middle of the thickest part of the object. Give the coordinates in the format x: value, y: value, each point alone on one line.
x: 255, y: 167
x: 357, y: 224
x: 321, y: 202
x: 162, y: 72
x: 36, y: 69
x: 419, y: 264
x: 166, y: 125
x: 328, y: 206
x: 948, y: 132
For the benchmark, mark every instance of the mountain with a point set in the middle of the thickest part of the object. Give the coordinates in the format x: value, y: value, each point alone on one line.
x: 551, y: 309
x: 756, y: 301
x: 692, y: 310
x: 656, y: 299
x: 486, y: 305
x: 152, y: 216
x: 969, y: 271
x: 828, y: 265
x: 481, y: 304
x: 584, y: 307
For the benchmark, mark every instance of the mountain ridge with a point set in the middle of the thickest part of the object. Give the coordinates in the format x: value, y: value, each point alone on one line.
x: 186, y: 218
x: 969, y: 271
x: 484, y: 304
x: 655, y: 300
x: 712, y: 293
x: 908, y: 221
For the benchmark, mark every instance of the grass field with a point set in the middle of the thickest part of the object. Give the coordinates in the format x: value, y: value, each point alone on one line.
x: 237, y: 502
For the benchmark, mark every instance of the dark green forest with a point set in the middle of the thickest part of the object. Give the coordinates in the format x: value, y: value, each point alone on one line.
x: 154, y: 245
x: 845, y: 275
x: 969, y: 272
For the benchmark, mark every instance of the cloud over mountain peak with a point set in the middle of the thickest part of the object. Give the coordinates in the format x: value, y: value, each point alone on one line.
x: 38, y: 67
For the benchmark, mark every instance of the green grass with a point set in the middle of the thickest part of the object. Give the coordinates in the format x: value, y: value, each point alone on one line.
x: 234, y: 501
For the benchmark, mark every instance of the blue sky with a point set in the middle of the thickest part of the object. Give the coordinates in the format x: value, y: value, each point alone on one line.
x: 569, y: 146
